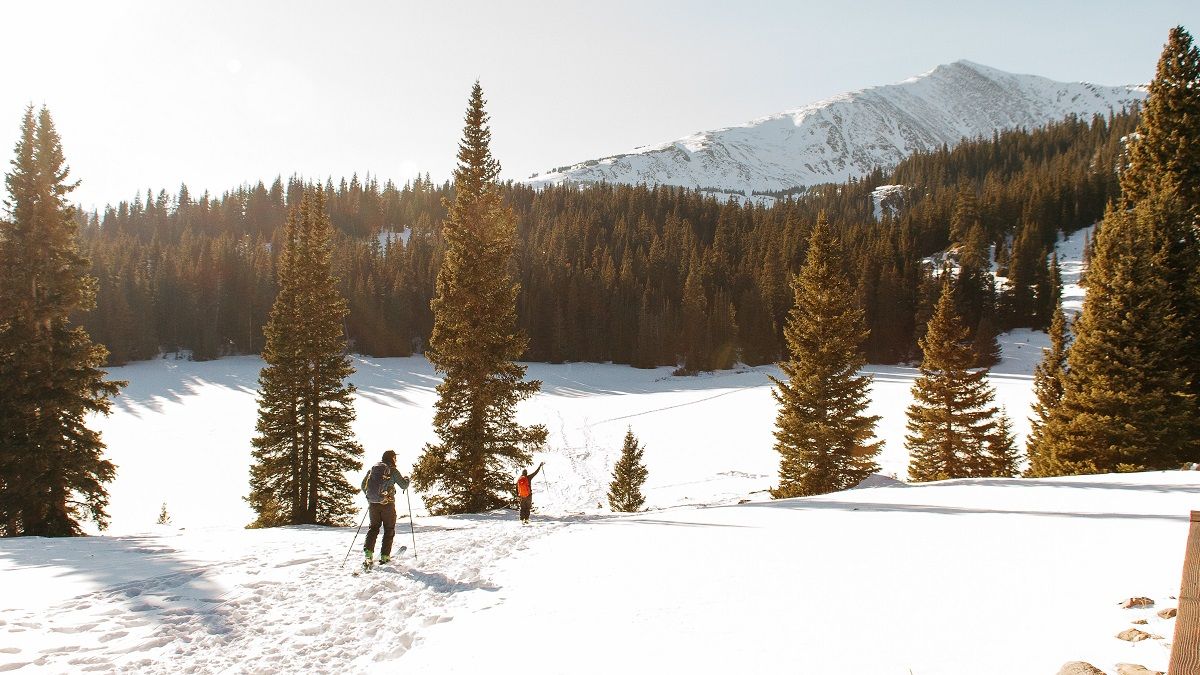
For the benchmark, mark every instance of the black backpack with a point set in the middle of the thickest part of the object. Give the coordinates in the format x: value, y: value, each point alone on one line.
x: 379, y: 475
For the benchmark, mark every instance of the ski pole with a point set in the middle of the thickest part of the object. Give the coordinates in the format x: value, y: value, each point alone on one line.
x: 412, y: 527
x: 360, y: 524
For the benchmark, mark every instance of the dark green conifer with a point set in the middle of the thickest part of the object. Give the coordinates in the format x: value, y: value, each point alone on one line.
x: 1129, y: 398
x: 629, y: 475
x: 52, y: 469
x: 1164, y: 156
x: 1001, y: 459
x: 1167, y: 145
x: 986, y: 343
x: 824, y: 439
x: 304, y: 445
x: 1048, y: 388
x: 1125, y: 404
x: 954, y: 430
x: 475, y: 342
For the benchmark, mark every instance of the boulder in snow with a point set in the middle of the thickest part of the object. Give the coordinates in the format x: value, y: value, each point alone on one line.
x: 1137, y: 603
x: 1132, y: 635
x: 1079, y: 668
x: 1140, y: 622
x: 1168, y: 613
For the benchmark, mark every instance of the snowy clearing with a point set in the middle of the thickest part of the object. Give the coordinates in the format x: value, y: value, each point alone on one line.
x: 968, y: 576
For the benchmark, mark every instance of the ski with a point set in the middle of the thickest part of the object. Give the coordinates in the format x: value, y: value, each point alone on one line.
x: 370, y: 563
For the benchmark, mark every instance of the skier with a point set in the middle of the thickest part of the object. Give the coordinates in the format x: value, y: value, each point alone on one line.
x: 380, y: 484
x: 525, y: 492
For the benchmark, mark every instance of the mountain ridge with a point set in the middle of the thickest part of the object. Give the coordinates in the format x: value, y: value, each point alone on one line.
x: 848, y: 135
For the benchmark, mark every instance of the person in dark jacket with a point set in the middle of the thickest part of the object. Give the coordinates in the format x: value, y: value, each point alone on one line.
x: 380, y: 485
x: 525, y: 492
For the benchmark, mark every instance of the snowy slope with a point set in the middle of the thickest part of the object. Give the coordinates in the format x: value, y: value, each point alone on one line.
x: 988, y: 577
x: 850, y: 135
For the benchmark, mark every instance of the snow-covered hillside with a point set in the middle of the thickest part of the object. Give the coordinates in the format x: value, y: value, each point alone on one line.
x: 993, y: 576
x: 852, y: 134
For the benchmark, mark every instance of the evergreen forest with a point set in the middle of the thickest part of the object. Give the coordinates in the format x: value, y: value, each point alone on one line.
x: 647, y: 276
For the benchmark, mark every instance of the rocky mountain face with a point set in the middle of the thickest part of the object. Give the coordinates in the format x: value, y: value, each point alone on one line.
x: 851, y: 134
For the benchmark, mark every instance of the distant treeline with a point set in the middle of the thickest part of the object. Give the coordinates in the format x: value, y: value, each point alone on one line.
x: 645, y: 276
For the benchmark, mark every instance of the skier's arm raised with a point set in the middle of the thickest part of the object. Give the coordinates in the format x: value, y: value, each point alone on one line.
x: 536, y: 471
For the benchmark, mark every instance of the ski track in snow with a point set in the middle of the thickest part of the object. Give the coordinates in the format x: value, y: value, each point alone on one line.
x: 286, y: 602
x: 217, y: 598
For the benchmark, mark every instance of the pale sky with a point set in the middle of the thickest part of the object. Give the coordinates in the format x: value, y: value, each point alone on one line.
x: 215, y: 94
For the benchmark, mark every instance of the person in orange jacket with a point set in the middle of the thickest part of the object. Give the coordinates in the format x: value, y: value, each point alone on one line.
x: 525, y: 492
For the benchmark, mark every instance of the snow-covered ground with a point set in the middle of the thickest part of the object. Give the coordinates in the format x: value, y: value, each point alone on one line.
x: 180, y: 433
x: 969, y: 576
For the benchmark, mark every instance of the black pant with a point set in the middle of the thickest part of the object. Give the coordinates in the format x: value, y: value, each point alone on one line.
x: 526, y: 504
x: 385, y: 515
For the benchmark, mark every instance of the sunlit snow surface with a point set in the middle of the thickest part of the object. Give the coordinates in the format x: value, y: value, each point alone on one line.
x: 850, y: 135
x: 971, y: 576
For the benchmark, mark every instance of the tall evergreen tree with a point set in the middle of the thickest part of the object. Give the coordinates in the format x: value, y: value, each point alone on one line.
x: 629, y: 475
x: 1130, y: 394
x: 475, y: 342
x: 1167, y: 146
x: 1125, y: 403
x: 305, y: 444
x: 954, y: 430
x: 52, y: 469
x: 823, y: 437
x: 1164, y: 156
x: 1048, y: 388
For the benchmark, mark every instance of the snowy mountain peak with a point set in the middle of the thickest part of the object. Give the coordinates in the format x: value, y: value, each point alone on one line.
x: 851, y: 134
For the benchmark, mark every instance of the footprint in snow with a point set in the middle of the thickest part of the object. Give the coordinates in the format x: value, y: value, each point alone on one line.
x: 299, y: 561
x: 109, y: 637
x: 74, y: 629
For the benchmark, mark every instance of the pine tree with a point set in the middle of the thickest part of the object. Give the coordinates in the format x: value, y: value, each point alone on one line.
x: 1129, y: 398
x: 1164, y: 157
x: 1125, y: 404
x: 1001, y: 457
x: 629, y: 475
x: 475, y: 342
x: 305, y: 444
x: 694, y: 337
x: 1167, y: 146
x: 986, y: 343
x: 821, y: 433
x: 52, y: 470
x: 954, y: 431
x: 1048, y: 387
x: 164, y: 518
x: 975, y: 287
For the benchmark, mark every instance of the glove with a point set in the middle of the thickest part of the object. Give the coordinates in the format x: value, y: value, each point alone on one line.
x: 403, y: 483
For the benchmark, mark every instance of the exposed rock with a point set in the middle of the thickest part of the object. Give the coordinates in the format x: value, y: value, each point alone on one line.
x: 850, y: 135
x: 1137, y: 603
x: 1168, y: 613
x: 1140, y: 622
x: 1133, y: 635
x: 1079, y: 668
x: 1134, y: 669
